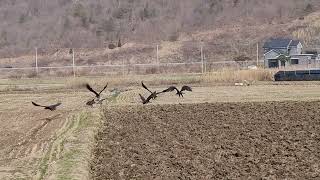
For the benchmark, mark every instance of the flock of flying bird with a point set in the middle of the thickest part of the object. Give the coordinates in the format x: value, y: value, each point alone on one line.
x: 97, y: 99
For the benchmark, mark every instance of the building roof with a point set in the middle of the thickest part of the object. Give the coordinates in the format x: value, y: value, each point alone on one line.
x: 294, y: 43
x: 278, y: 43
x: 274, y: 50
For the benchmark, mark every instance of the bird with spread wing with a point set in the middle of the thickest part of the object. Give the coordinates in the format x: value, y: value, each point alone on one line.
x: 179, y: 92
x: 97, y: 95
x: 91, y: 102
x: 50, y: 107
x: 146, y: 101
x: 155, y: 93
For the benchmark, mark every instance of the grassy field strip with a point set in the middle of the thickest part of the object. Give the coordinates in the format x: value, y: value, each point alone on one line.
x: 69, y: 153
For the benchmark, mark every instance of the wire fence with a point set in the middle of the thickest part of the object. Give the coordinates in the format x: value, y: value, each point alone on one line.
x: 127, y: 60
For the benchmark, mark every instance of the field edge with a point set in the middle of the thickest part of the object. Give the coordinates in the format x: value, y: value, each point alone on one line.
x: 69, y: 155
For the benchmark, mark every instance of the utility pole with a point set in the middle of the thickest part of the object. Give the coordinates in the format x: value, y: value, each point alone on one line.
x: 158, y: 54
x: 158, y: 63
x: 205, y: 62
x: 122, y: 67
x: 73, y: 64
x: 257, y: 54
x: 201, y: 55
x: 37, y: 70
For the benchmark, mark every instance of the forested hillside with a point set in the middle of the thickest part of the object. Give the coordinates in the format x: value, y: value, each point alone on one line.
x: 95, y: 23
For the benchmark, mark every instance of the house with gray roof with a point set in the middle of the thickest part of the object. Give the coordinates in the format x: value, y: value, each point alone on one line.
x: 281, y: 52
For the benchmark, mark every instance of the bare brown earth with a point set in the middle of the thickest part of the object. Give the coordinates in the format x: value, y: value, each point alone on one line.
x: 38, y: 144
x: 245, y: 140
x: 32, y: 139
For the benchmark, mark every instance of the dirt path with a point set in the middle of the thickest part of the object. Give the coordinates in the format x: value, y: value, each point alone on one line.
x: 28, y: 133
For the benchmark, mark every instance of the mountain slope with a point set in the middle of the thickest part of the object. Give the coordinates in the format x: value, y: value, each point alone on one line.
x: 95, y: 23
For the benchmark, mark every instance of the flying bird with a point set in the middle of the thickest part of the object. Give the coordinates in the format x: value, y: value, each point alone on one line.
x: 91, y: 102
x: 94, y: 101
x: 146, y: 101
x: 50, y: 107
x: 101, y: 100
x: 96, y: 94
x: 180, y: 93
x: 154, y: 93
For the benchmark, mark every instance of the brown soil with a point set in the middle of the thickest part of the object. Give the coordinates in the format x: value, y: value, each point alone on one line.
x: 269, y: 140
x: 27, y: 132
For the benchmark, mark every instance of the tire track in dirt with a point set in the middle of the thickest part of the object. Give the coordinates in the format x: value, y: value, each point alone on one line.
x: 56, y: 147
x: 69, y: 154
x: 21, y: 150
x: 28, y: 132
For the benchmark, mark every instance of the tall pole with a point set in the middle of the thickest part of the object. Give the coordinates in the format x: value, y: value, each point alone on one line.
x: 158, y: 54
x: 158, y: 63
x: 201, y: 55
x: 257, y: 54
x: 123, y: 67
x: 37, y: 70
x: 73, y: 64
x: 205, y: 63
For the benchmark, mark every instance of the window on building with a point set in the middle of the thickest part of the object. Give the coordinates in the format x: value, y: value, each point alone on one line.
x: 273, y: 63
x: 294, y: 61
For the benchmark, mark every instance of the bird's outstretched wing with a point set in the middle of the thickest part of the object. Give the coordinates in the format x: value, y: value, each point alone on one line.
x: 144, y: 86
x: 159, y: 92
x: 90, y: 89
x: 186, y: 88
x: 90, y: 103
x: 103, y: 88
x: 151, y: 96
x: 56, y: 105
x: 35, y: 104
x: 142, y: 98
x: 171, y: 88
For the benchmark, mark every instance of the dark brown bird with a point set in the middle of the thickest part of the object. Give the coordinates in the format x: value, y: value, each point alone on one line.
x: 96, y: 94
x: 50, y: 107
x: 91, y: 102
x: 154, y: 93
x: 180, y: 93
x: 119, y: 43
x: 146, y: 101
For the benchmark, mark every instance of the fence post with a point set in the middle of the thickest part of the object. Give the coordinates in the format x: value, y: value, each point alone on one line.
x: 73, y: 64
x: 37, y: 70
x: 157, y: 53
x: 201, y: 55
x: 257, y: 54
x: 158, y: 63
x: 122, y: 67
x: 205, y: 62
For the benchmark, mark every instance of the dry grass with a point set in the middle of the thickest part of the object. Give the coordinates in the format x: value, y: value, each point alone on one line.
x: 134, y: 80
x: 229, y: 75
x: 221, y: 76
x: 310, y: 28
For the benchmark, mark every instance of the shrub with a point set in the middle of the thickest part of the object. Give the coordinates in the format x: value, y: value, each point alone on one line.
x: 241, y: 58
x: 173, y: 36
x: 111, y: 46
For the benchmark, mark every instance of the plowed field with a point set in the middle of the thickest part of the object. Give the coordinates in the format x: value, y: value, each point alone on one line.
x: 268, y: 140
